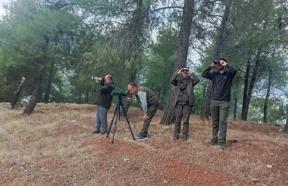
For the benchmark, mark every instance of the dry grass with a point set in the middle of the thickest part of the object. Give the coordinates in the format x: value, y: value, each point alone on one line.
x: 54, y: 146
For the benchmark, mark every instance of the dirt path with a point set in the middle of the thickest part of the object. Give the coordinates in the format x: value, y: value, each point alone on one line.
x: 55, y: 147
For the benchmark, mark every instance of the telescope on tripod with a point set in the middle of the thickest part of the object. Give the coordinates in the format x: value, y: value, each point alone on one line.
x: 117, y: 115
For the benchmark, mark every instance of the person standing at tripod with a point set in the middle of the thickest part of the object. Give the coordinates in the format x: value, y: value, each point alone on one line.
x: 149, y: 103
x: 103, y: 102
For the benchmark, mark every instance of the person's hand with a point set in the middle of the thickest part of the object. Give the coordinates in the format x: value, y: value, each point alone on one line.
x: 180, y: 71
x: 223, y: 63
x: 129, y: 99
x: 145, y: 117
x: 213, y: 65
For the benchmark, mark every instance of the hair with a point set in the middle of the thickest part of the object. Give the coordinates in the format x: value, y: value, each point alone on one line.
x: 222, y: 58
x: 133, y: 84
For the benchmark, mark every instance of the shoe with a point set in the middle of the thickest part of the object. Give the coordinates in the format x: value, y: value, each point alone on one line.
x: 175, y: 137
x: 185, y: 137
x: 141, y: 137
x: 96, y: 132
x: 220, y: 146
x: 212, y: 143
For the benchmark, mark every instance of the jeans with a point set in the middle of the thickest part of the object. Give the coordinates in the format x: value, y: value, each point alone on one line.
x: 101, y: 119
x: 219, y: 114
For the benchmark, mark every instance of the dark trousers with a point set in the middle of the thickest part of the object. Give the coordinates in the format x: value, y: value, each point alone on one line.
x: 151, y: 111
x: 219, y: 114
x: 182, y: 112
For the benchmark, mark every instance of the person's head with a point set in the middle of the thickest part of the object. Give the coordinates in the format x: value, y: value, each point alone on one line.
x: 185, y: 72
x: 220, y: 65
x: 132, y: 88
x: 108, y: 79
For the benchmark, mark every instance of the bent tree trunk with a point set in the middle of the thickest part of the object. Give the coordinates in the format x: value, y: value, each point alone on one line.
x: 36, y: 95
x: 18, y: 92
x: 219, y: 43
x: 181, y: 55
x: 267, y: 97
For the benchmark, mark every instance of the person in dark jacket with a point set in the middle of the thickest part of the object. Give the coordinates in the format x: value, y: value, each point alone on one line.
x: 149, y: 103
x: 221, y: 74
x: 183, y: 100
x: 103, y: 102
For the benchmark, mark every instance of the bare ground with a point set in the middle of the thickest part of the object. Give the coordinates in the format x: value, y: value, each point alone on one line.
x: 54, y: 146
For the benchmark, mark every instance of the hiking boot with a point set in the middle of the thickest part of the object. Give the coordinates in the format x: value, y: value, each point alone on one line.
x: 220, y: 146
x: 141, y: 137
x: 96, y: 132
x: 212, y: 143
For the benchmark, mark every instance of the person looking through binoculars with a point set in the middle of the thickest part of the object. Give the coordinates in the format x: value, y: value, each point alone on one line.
x: 183, y: 100
x: 221, y: 74
x: 103, y: 101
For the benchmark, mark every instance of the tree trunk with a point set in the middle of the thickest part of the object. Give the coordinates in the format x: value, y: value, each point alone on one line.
x: 235, y: 108
x: 136, y: 39
x: 286, y: 126
x: 219, y: 44
x: 181, y: 54
x: 18, y: 92
x: 87, y: 97
x: 246, y: 84
x: 249, y: 92
x: 267, y: 96
x: 50, y: 77
x: 36, y: 95
x: 205, y: 109
x: 79, y: 96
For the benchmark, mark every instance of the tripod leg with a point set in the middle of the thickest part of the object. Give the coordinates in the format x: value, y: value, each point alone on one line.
x: 110, y: 127
x: 117, y: 118
x: 125, y: 115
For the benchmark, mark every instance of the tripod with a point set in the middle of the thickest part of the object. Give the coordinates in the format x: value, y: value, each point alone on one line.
x: 117, y: 114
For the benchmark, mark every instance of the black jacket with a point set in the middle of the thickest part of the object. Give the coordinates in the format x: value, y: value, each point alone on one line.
x: 103, y: 95
x: 221, y: 82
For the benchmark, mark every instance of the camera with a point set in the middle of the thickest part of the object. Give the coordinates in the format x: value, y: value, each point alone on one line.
x: 216, y: 62
x: 96, y: 78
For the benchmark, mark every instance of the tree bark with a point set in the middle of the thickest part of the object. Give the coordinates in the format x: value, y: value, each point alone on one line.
x: 50, y: 77
x: 181, y: 54
x: 267, y: 96
x: 18, y: 92
x: 219, y: 44
x: 36, y: 95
